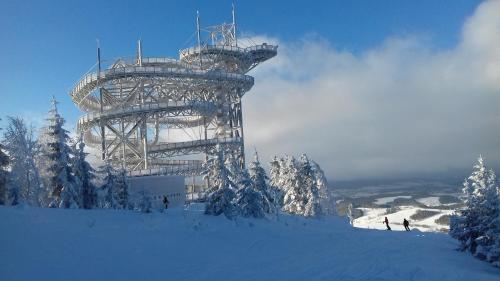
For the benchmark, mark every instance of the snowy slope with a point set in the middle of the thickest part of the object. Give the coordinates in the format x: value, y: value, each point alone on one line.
x: 373, y: 219
x: 54, y: 244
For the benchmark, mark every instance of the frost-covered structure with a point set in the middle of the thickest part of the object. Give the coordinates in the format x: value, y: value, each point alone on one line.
x: 148, y: 114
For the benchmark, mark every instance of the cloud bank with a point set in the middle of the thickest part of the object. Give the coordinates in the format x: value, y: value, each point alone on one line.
x: 402, y: 109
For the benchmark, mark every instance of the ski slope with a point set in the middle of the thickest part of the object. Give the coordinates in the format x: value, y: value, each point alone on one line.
x: 373, y: 218
x: 55, y: 244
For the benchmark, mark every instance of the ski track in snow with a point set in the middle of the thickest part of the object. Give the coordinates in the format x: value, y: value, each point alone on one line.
x: 373, y: 219
x: 54, y: 244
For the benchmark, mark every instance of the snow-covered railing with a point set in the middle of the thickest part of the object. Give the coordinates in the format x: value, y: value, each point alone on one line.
x: 88, y: 82
x: 190, y: 144
x: 110, y: 112
x: 207, y: 48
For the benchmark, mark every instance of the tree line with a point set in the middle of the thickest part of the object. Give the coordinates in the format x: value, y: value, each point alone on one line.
x: 52, y: 170
x: 297, y: 187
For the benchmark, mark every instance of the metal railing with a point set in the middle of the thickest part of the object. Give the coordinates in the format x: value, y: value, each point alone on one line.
x: 109, y: 74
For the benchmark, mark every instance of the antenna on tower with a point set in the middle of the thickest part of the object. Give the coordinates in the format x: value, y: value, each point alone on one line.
x: 198, y: 34
x: 234, y: 25
x: 139, y: 52
x: 98, y: 55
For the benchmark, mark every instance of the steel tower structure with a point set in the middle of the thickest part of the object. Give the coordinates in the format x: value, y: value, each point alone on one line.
x: 132, y: 104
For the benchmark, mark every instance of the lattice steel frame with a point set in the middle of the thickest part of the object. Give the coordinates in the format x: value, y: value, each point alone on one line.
x: 131, y: 102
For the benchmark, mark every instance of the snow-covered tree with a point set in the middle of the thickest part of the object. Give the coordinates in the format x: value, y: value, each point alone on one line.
x: 221, y: 192
x: 326, y: 201
x: 54, y: 163
x: 109, y: 182
x: 234, y: 169
x: 143, y: 203
x: 115, y: 187
x: 304, y: 187
x: 84, y: 175
x: 275, y: 181
x: 477, y: 226
x: 294, y: 199
x: 249, y: 200
x: 21, y: 146
x: 4, y: 162
x: 259, y: 179
x: 122, y: 190
x: 309, y: 186
x: 274, y: 172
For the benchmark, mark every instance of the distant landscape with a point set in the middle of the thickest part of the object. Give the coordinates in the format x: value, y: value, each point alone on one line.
x: 426, y: 204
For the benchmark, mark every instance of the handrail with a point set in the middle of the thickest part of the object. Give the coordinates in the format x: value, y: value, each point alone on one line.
x: 173, y: 105
x: 109, y: 74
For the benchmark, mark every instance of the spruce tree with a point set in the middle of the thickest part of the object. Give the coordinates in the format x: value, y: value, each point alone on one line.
x: 259, y: 179
x: 326, y: 201
x: 84, y: 174
x: 294, y: 199
x: 54, y: 163
x: 122, y: 190
x: 143, y: 203
x: 476, y: 226
x: 249, y: 200
x: 309, y: 187
x: 221, y: 192
x: 108, y: 187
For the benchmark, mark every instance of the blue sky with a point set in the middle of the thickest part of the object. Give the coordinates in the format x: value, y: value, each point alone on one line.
x: 47, y: 45
x: 385, y: 89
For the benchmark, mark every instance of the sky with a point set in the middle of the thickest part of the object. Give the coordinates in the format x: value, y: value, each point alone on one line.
x: 369, y: 89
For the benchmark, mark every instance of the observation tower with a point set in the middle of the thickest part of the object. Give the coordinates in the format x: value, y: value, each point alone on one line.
x: 163, y: 116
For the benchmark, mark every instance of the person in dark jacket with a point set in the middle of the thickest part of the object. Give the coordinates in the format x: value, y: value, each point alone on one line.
x: 406, y: 224
x: 165, y: 201
x: 386, y: 221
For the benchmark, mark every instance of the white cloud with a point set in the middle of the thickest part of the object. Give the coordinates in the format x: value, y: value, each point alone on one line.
x: 400, y: 109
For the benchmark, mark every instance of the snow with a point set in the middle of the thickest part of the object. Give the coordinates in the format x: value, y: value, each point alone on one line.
x: 373, y: 219
x: 430, y: 201
x: 386, y: 200
x: 61, y: 244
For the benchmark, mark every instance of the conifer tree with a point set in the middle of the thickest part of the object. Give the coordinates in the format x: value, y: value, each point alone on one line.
x: 84, y: 174
x: 249, y: 200
x: 259, y: 179
x: 122, y: 190
x: 309, y: 187
x: 221, y: 192
x: 325, y: 200
x: 476, y: 226
x: 294, y: 199
x: 115, y: 188
x: 275, y: 184
x: 108, y: 186
x: 54, y: 163
x: 143, y: 204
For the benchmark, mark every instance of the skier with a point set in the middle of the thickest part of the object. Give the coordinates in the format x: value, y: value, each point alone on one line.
x: 386, y: 221
x: 406, y: 223
x: 165, y: 201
